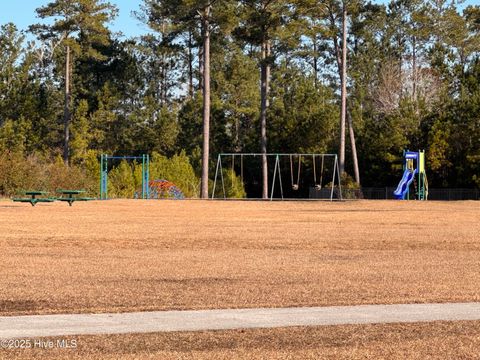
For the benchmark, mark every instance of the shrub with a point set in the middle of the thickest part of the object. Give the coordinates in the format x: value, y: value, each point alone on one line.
x: 234, y: 188
x: 38, y: 172
x: 19, y: 173
x: 121, y: 181
x: 178, y: 170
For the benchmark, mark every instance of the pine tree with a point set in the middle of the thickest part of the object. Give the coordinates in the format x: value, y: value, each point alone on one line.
x: 80, y: 26
x: 262, y: 22
x: 183, y: 17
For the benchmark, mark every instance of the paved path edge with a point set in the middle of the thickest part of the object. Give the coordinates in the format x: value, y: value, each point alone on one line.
x: 31, y: 326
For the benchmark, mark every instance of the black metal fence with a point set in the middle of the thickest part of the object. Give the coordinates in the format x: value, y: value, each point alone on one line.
x: 387, y: 193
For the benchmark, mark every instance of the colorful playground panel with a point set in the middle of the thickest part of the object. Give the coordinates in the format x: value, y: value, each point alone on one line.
x: 414, y: 173
x: 33, y: 200
x: 160, y: 189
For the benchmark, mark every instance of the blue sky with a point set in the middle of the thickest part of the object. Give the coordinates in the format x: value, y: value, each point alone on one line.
x: 22, y: 13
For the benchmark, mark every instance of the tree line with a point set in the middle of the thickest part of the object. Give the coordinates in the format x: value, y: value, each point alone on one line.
x: 250, y: 76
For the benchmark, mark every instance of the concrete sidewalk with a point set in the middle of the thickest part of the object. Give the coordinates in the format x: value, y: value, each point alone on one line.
x: 161, y: 321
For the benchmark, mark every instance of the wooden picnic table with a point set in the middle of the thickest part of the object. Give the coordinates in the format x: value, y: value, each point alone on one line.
x: 72, y: 196
x: 33, y: 200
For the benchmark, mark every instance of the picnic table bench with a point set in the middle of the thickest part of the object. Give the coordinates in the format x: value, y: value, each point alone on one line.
x: 72, y: 196
x: 33, y: 200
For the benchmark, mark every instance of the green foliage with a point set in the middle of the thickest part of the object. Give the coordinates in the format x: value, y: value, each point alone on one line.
x: 80, y: 133
x: 60, y: 176
x: 125, y: 178
x: 235, y: 100
x: 302, y: 117
x: 439, y: 146
x: 92, y: 172
x: 80, y: 24
x: 234, y: 188
x: 17, y: 173
x: 350, y: 189
x: 348, y: 183
x: 36, y: 172
x: 121, y: 181
x: 13, y: 135
x: 413, y: 83
x: 178, y: 170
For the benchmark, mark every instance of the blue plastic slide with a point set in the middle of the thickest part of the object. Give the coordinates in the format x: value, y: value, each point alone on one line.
x: 404, y: 184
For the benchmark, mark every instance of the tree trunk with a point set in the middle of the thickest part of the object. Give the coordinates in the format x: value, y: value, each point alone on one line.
x: 414, y: 71
x: 66, y: 108
x: 190, y: 66
x: 354, y: 149
x: 163, y: 69
x: 343, y: 79
x: 206, y: 102
x: 315, y: 61
x: 265, y: 87
x: 164, y: 80
x: 200, y: 65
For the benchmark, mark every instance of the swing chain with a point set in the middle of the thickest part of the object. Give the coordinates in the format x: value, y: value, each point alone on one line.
x: 295, y: 186
x: 318, y: 185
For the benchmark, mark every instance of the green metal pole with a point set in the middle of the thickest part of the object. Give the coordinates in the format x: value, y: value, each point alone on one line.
x: 143, y: 176
x: 101, y: 176
x: 147, y: 180
x: 106, y: 177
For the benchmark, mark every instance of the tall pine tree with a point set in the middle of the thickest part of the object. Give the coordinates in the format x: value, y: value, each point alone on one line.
x: 81, y: 27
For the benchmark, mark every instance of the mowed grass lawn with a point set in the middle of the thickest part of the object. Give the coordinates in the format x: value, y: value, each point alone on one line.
x: 439, y: 340
x: 133, y: 255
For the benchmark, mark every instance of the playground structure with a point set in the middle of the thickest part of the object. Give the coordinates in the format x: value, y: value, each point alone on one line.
x: 150, y: 189
x: 413, y: 172
x: 296, y: 163
x: 164, y: 189
x: 104, y: 161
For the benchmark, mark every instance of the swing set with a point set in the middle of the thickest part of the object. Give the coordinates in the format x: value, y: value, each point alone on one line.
x: 318, y: 181
x: 104, y: 162
x: 296, y: 163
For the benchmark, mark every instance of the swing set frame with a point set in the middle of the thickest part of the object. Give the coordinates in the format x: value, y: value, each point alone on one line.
x: 104, y: 161
x: 335, y: 177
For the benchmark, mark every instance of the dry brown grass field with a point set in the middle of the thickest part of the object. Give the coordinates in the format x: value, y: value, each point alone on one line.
x: 439, y: 340
x: 132, y: 255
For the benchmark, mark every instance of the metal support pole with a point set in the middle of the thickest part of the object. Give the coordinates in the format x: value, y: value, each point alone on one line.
x: 241, y: 168
x: 143, y: 176
x: 223, y: 182
x: 280, y: 177
x: 101, y: 177
x: 274, y: 177
x: 105, y: 184
x: 216, y: 174
x: 340, y: 196
x: 333, y: 179
x: 147, y: 177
